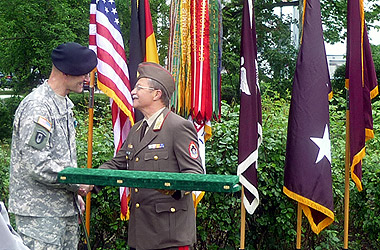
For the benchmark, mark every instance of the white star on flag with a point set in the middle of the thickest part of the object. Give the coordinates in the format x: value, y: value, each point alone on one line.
x: 324, y: 145
x: 114, y: 11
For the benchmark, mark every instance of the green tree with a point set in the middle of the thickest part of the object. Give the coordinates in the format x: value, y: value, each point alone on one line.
x: 30, y: 29
x: 338, y: 81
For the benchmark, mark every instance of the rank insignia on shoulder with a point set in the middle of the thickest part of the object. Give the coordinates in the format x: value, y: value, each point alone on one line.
x: 44, y: 123
x: 156, y: 146
x: 158, y: 123
x: 193, y: 150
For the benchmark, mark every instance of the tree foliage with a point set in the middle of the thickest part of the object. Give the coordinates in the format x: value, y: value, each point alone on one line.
x: 338, y: 81
x: 30, y: 29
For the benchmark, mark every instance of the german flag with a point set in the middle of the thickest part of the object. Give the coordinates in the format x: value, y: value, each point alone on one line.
x: 142, y: 41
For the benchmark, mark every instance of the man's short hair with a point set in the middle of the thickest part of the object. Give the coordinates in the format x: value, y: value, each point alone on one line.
x: 156, y: 85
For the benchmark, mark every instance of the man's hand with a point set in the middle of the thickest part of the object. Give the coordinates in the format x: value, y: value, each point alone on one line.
x: 167, y: 192
x: 84, y: 189
x: 82, y: 205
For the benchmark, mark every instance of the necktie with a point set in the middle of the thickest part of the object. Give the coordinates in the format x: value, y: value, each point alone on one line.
x: 143, y: 129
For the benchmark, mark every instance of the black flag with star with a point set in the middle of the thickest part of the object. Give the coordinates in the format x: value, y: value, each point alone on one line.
x: 250, y: 131
x: 307, y: 174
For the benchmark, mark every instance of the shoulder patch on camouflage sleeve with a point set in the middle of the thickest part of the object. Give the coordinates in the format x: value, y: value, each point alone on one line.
x: 40, y: 137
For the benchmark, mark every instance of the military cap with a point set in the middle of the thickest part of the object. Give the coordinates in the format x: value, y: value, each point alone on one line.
x: 74, y: 59
x: 157, y: 72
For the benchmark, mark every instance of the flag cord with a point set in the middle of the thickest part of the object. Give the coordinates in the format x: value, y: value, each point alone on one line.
x: 299, y: 224
x: 242, y: 221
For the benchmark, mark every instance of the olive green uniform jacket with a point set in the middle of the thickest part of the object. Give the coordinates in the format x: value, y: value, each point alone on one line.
x: 170, y: 145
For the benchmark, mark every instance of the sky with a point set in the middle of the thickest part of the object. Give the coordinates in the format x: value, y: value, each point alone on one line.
x: 340, y: 48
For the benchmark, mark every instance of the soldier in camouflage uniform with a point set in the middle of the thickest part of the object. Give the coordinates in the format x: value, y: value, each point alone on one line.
x: 43, y: 144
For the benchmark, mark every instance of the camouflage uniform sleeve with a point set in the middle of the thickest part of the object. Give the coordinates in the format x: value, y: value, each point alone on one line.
x: 41, y: 160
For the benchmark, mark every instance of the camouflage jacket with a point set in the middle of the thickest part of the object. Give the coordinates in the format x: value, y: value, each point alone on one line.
x: 43, y: 144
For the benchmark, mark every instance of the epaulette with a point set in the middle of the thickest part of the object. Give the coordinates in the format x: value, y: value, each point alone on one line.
x: 160, y: 121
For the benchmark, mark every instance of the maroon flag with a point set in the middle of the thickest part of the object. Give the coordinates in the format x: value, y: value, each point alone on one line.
x: 307, y: 174
x: 250, y: 131
x: 361, y: 82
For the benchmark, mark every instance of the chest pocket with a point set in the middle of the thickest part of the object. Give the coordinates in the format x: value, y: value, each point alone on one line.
x: 156, y: 159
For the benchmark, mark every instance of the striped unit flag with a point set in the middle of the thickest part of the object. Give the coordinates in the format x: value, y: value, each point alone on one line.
x: 113, y: 77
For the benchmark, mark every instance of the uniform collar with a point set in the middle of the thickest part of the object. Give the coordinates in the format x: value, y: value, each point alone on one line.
x: 153, y: 117
x: 63, y: 103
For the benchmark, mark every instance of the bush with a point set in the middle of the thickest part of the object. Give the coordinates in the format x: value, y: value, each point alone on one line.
x: 8, y: 107
x: 4, y: 171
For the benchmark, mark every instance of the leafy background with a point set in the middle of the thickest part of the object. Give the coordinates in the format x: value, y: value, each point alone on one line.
x: 273, y: 224
x: 30, y: 29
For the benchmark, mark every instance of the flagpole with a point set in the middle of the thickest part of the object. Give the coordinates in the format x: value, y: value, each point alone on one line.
x: 299, y: 223
x: 347, y: 179
x: 242, y: 221
x: 89, y: 145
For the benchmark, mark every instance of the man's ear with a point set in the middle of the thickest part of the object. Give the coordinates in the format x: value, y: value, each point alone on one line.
x: 157, y: 95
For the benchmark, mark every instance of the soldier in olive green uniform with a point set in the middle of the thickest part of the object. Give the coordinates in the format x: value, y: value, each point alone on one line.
x: 159, y: 219
x: 43, y: 144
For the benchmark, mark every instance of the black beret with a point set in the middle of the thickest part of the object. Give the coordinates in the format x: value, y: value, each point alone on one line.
x: 157, y: 72
x: 74, y: 59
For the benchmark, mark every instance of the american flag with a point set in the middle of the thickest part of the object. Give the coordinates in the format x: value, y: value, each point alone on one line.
x: 113, y: 77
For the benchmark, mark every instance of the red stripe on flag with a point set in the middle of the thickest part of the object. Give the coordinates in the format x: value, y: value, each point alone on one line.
x: 92, y: 18
x: 148, y: 20
x: 110, y: 60
x: 104, y: 32
x: 110, y: 84
x: 92, y: 40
